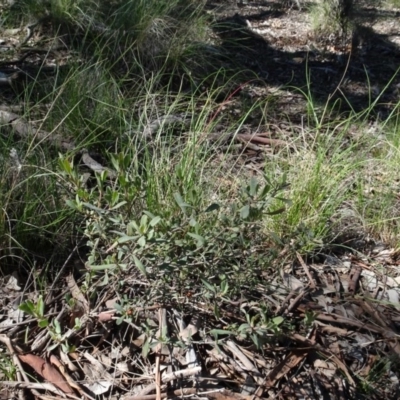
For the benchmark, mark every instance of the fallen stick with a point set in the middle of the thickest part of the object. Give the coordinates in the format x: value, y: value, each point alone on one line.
x: 167, y: 378
x: 216, y: 394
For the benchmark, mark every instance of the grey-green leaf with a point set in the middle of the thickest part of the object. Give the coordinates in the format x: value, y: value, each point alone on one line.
x: 245, y: 211
x: 220, y: 332
x: 103, y: 267
x: 139, y: 265
x: 200, y: 239
x: 155, y: 221
x: 179, y: 200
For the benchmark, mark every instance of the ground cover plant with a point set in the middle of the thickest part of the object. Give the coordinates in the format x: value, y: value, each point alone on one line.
x: 195, y: 202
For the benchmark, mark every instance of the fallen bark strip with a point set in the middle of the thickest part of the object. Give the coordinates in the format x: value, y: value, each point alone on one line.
x: 34, y: 385
x: 312, y: 345
x: 345, y: 321
x: 354, y: 277
x: 47, y: 372
x: 24, y: 129
x: 386, y: 332
x: 296, y: 300
x: 246, y: 138
x: 214, y: 393
x: 152, y: 127
x: 258, y: 138
x: 247, y: 364
x: 95, y: 166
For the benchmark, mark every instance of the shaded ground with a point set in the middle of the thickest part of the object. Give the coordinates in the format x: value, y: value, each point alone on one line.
x: 280, y: 46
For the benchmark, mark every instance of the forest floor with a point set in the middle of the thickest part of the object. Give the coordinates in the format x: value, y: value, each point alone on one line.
x: 323, y: 325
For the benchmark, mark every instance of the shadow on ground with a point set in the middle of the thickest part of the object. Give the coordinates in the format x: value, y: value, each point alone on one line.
x: 359, y: 70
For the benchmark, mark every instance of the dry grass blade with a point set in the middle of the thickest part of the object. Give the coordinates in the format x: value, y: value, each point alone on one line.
x: 20, y: 371
x: 284, y: 367
x: 162, y: 312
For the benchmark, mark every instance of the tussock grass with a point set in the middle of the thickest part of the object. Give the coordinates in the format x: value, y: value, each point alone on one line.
x: 35, y: 221
x: 378, y: 201
x: 345, y: 183
x: 121, y: 32
x: 393, y: 3
x: 332, y: 16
